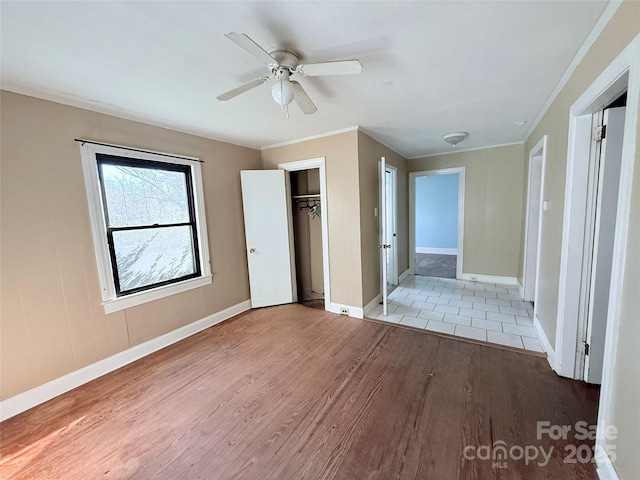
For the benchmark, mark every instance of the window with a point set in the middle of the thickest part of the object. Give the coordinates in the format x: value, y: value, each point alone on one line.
x: 147, y: 215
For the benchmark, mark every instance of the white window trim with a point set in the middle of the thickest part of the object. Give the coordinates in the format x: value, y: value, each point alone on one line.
x: 112, y: 303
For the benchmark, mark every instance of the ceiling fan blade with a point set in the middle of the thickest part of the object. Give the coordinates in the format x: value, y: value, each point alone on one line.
x: 252, y: 47
x: 341, y: 67
x: 302, y: 99
x: 242, y: 88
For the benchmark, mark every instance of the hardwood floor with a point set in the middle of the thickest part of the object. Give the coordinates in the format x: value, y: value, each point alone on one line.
x: 297, y: 393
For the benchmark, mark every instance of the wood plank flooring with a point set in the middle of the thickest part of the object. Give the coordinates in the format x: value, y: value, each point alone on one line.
x: 297, y: 393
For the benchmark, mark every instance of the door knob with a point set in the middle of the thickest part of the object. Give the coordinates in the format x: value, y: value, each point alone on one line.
x: 252, y: 250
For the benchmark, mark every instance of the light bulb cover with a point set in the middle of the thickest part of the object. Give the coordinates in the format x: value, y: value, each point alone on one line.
x: 455, y: 138
x: 282, y: 91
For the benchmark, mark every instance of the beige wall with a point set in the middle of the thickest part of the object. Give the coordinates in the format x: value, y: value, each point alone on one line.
x: 623, y: 27
x: 52, y: 320
x: 342, y: 209
x: 352, y: 194
x: 369, y: 153
x: 492, y: 206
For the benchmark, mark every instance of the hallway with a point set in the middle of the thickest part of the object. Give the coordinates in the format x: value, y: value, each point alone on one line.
x: 484, y: 312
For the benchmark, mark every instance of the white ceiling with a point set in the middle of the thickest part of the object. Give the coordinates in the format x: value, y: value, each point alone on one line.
x: 430, y: 67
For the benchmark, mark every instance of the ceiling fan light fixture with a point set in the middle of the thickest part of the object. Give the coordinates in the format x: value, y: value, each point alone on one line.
x: 282, y: 91
x: 455, y: 138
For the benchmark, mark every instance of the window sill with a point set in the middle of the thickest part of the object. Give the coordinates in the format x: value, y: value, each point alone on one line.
x: 134, y: 299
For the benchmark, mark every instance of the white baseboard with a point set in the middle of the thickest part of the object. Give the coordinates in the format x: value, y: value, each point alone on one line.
x: 551, y: 354
x: 520, y: 289
x: 40, y: 394
x: 372, y: 304
x: 479, y: 277
x: 437, y: 251
x: 355, y: 312
x: 403, y: 276
x: 606, y: 470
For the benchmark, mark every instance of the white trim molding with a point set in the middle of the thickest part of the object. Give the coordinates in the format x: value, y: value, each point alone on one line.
x: 542, y: 335
x: 311, y: 137
x: 355, y: 312
x: 42, y: 393
x: 497, y: 279
x: 437, y: 251
x: 372, y: 304
x: 403, y: 276
x: 437, y: 154
x: 538, y: 151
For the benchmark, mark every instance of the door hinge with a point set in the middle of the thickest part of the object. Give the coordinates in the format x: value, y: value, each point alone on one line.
x: 600, y: 133
x: 586, y: 348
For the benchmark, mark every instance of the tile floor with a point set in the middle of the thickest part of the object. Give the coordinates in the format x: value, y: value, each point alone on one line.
x: 480, y: 311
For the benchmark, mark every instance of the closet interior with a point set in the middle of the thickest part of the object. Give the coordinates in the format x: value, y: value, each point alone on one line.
x: 307, y: 232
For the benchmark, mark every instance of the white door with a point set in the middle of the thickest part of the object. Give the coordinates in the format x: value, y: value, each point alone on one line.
x: 392, y: 253
x: 384, y: 245
x: 605, y: 225
x: 267, y: 213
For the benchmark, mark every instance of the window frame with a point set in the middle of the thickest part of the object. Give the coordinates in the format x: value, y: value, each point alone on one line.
x: 113, y: 302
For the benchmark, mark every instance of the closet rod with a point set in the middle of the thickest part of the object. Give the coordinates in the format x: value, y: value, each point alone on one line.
x: 306, y: 196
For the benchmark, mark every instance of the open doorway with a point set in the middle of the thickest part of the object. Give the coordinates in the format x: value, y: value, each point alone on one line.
x: 602, y: 204
x: 307, y: 211
x: 533, y: 224
x: 592, y: 221
x: 436, y: 222
x: 310, y: 230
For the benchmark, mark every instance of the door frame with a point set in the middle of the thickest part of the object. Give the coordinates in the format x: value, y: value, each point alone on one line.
x: 319, y: 163
x: 394, y: 213
x: 412, y: 214
x: 623, y: 73
x: 539, y: 150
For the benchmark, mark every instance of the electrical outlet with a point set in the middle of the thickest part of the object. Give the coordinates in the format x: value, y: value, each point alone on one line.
x: 344, y: 311
x: 474, y: 278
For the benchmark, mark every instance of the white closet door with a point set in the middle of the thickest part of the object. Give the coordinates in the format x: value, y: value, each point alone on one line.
x: 269, y: 235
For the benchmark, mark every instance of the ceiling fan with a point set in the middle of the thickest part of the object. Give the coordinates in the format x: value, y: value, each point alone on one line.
x: 282, y: 64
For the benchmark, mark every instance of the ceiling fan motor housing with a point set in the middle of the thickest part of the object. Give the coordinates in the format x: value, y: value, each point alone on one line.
x: 286, y: 59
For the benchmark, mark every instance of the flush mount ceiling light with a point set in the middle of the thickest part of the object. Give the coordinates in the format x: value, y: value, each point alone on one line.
x: 455, y: 138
